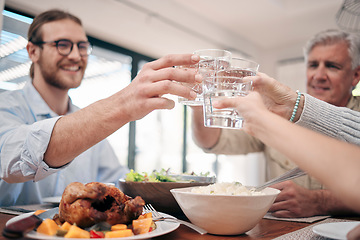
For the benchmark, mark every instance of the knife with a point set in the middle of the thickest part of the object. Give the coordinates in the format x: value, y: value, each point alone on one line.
x: 18, y: 228
x: 14, y: 210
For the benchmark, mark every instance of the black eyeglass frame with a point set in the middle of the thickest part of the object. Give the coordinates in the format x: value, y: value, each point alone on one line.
x: 88, y: 49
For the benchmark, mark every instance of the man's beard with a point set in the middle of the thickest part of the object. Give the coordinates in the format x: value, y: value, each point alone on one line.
x: 51, y: 78
x: 53, y: 81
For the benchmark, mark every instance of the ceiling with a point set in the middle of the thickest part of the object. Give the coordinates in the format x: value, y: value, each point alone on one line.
x: 268, y: 23
x: 157, y: 27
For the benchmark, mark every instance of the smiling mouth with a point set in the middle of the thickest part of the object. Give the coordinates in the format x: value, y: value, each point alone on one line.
x: 71, y: 68
x: 316, y: 88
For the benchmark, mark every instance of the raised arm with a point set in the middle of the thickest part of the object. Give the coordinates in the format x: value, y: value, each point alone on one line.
x: 74, y: 133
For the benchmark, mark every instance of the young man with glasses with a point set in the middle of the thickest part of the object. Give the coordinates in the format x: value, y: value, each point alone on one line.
x: 45, y: 141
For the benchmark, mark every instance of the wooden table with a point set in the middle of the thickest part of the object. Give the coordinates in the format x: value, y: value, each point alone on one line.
x: 266, y: 229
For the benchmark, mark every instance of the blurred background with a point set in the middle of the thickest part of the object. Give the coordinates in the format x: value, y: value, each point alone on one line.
x: 128, y: 33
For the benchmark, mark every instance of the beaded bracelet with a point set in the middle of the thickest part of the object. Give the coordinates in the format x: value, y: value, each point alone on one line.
x: 296, y: 105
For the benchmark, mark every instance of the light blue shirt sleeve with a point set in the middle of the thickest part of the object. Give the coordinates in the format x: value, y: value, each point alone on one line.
x: 23, y: 142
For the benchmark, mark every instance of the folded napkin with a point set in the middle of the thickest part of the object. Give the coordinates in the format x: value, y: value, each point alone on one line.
x: 306, y: 219
x: 307, y: 232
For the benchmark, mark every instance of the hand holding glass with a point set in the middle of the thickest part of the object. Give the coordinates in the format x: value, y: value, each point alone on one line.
x: 211, y: 60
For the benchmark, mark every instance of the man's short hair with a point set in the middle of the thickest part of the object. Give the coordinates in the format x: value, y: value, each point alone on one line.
x: 333, y: 36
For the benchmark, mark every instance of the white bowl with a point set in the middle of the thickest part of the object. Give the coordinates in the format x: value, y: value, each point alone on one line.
x: 224, y: 214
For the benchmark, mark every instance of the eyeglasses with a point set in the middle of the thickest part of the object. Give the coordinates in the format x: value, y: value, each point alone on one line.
x: 65, y: 46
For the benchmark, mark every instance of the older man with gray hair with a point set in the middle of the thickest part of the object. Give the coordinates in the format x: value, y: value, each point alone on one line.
x: 332, y: 70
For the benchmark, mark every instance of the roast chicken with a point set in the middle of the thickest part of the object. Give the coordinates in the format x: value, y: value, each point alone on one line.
x: 97, y: 202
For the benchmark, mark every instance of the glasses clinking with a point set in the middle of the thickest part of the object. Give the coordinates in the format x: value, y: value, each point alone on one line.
x: 65, y: 46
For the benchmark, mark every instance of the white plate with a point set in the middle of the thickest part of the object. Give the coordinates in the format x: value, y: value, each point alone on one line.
x: 335, y: 230
x: 52, y: 199
x: 162, y: 228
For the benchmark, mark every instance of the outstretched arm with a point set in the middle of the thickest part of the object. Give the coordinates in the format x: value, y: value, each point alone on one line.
x: 312, y: 113
x: 333, y: 162
x: 75, y: 133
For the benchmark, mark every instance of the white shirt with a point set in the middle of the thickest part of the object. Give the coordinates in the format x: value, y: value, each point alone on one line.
x: 26, y: 124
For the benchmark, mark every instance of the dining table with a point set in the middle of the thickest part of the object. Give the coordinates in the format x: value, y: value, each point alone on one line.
x: 265, y: 229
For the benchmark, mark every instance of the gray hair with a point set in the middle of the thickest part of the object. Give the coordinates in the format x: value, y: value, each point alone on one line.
x: 333, y: 36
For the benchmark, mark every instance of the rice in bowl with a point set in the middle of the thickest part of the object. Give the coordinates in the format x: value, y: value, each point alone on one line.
x: 234, y: 188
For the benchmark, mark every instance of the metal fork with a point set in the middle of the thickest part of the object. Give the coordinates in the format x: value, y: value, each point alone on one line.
x: 158, y: 217
x: 293, y: 173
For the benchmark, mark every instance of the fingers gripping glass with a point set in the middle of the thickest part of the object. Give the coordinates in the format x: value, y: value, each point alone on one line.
x: 65, y: 47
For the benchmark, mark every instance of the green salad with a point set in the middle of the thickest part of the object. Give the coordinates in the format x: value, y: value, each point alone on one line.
x: 155, y: 176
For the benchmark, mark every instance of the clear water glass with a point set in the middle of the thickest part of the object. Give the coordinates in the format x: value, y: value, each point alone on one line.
x: 228, y: 83
x: 211, y: 60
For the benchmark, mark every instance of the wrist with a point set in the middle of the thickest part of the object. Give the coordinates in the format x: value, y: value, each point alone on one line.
x: 329, y: 204
x: 300, y: 108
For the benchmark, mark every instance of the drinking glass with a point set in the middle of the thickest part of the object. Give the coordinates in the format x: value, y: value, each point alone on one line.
x: 228, y: 83
x: 211, y: 60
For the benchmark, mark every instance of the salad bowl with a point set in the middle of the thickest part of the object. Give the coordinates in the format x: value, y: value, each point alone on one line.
x: 158, y: 193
